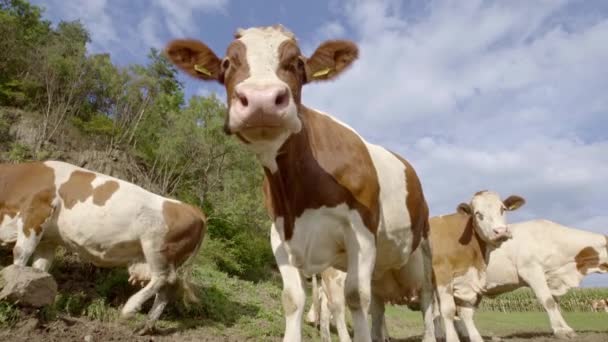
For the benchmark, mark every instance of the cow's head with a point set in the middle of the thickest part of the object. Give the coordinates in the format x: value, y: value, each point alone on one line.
x: 488, y: 212
x: 263, y: 72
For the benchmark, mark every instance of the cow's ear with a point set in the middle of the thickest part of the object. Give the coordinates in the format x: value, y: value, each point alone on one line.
x: 330, y: 59
x: 464, y: 208
x: 513, y: 202
x: 195, y: 58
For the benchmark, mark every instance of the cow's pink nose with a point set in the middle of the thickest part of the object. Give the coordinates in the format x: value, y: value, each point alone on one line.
x: 502, y: 233
x: 256, y: 106
x: 269, y: 98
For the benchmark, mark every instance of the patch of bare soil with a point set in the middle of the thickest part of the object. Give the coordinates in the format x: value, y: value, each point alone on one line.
x: 542, y: 337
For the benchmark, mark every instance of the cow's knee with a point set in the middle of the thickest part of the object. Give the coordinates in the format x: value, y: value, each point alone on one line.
x: 292, y: 300
x: 356, y: 298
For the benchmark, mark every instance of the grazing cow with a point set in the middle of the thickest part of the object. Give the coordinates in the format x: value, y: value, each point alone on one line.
x: 328, y: 304
x: 460, y: 245
x: 335, y: 199
x: 550, y: 259
x: 105, y: 220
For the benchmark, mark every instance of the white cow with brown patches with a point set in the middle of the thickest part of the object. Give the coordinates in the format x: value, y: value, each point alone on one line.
x: 549, y: 258
x: 335, y: 199
x: 107, y: 221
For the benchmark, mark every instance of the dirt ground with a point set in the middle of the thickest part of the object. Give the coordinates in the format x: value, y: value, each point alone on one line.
x: 30, y: 330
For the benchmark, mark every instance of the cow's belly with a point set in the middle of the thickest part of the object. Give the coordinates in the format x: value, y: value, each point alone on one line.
x: 318, y: 240
x: 501, y: 274
x: 107, y: 240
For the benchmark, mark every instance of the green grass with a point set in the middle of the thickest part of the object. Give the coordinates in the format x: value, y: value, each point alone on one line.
x: 403, y: 323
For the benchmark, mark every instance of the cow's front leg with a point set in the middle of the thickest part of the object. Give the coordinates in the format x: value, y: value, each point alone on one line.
x: 447, y: 307
x: 361, y: 252
x: 293, y: 297
x: 535, y: 277
x: 34, y: 217
x: 44, y: 256
x: 466, y: 313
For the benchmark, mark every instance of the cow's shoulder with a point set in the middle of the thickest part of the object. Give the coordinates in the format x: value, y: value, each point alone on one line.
x: 455, y: 246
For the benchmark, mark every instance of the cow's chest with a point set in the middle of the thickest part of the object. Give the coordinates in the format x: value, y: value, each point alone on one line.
x: 318, y: 239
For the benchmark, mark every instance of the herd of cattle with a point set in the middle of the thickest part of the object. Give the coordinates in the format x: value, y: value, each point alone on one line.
x: 350, y: 211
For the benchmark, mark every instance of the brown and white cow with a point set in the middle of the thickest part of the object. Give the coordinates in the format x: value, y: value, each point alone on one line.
x: 335, y: 199
x: 461, y: 244
x: 105, y: 220
x: 549, y: 258
x: 599, y: 305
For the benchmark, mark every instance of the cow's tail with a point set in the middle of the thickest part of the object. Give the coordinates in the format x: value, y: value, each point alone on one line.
x: 186, y: 290
x: 313, y: 316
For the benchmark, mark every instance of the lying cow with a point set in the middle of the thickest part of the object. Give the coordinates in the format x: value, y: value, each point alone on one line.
x: 550, y: 259
x: 335, y: 199
x: 328, y: 304
x: 105, y: 220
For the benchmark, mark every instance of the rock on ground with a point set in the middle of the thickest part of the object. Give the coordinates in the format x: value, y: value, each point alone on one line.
x: 27, y: 286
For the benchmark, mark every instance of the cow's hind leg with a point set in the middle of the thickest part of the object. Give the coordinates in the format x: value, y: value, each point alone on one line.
x: 293, y: 290
x: 535, y: 277
x: 379, y: 333
x: 159, y: 278
x: 160, y: 302
x: 428, y: 294
x: 361, y: 252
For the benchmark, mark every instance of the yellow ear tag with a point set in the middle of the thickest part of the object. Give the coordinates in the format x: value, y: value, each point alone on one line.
x: 202, y: 70
x: 321, y: 73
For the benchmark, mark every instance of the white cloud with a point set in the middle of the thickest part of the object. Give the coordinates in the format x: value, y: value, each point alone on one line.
x: 95, y: 14
x: 501, y: 95
x: 179, y: 16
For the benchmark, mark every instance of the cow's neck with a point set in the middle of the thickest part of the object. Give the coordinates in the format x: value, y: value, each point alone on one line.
x: 304, y: 177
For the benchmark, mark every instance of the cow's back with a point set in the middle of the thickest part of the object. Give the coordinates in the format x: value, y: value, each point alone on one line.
x: 559, y: 251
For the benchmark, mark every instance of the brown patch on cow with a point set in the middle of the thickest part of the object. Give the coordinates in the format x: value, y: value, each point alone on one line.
x: 77, y: 188
x: 332, y: 160
x: 481, y: 192
x: 237, y: 71
x: 102, y: 193
x: 604, y: 267
x: 28, y: 189
x: 332, y: 55
x: 587, y: 258
x: 38, y: 211
x: 6, y: 210
x: 186, y: 228
x: 292, y: 69
x: 550, y: 304
x: 416, y: 204
x: 455, y: 247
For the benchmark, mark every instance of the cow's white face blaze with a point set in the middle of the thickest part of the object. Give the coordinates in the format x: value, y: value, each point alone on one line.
x: 263, y: 73
x: 489, y: 214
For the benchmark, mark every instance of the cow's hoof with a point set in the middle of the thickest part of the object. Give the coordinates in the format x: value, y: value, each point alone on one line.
x: 147, y: 328
x: 565, y: 334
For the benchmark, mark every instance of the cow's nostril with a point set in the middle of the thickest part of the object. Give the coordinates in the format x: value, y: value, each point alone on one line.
x: 281, y: 98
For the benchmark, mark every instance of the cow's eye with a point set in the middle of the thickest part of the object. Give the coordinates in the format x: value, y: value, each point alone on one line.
x: 479, y: 216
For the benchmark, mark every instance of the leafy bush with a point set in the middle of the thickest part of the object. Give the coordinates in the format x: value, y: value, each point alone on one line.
x: 19, y: 152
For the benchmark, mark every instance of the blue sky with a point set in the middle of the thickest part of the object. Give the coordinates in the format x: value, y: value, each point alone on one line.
x: 505, y: 95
